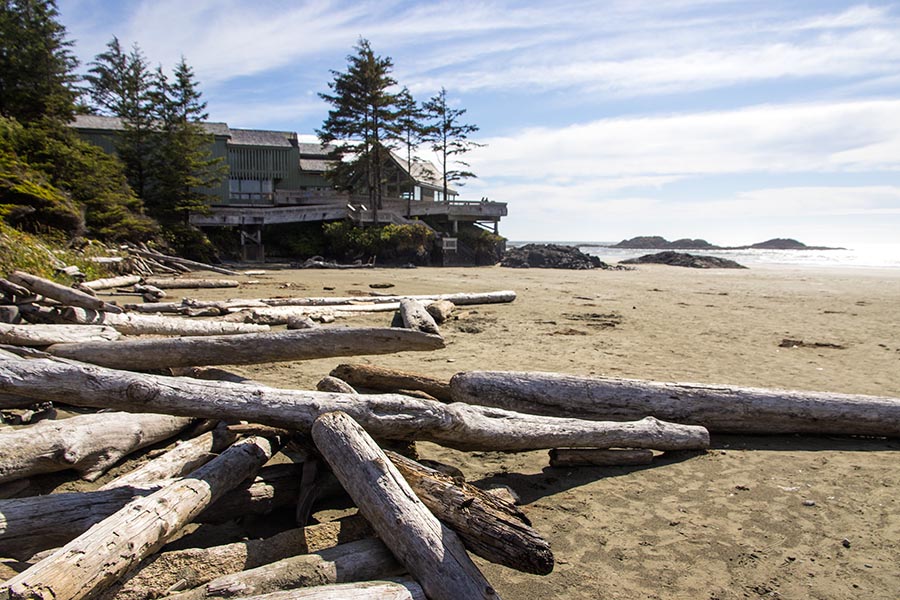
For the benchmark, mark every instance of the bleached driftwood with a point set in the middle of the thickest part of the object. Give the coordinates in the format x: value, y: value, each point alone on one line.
x: 46, y: 335
x: 415, y: 317
x: 96, y: 558
x: 591, y: 457
x: 489, y: 527
x: 334, y: 384
x: 185, y: 283
x: 389, y: 416
x: 66, y: 295
x: 719, y: 408
x: 440, y: 310
x: 192, y: 567
x: 137, y: 324
x: 90, y: 444
x: 361, y: 560
x: 281, y: 315
x: 111, y: 282
x: 158, y: 256
x: 458, y: 299
x: 248, y: 348
x: 398, y: 589
x: 33, y: 524
x: 431, y: 552
x: 388, y: 380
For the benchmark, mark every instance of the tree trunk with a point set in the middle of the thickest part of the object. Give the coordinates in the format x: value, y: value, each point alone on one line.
x: 380, y: 379
x: 362, y: 560
x: 111, y: 282
x: 34, y: 524
x: 431, y: 552
x: 401, y: 589
x: 98, y: 557
x: 137, y: 324
x: 249, y: 348
x: 415, y: 317
x: 719, y: 408
x: 388, y: 416
x: 192, y: 567
x: 281, y: 315
x: 590, y: 457
x: 489, y: 527
x: 90, y: 444
x: 185, y: 283
x: 45, y: 335
x: 66, y: 295
x: 458, y: 299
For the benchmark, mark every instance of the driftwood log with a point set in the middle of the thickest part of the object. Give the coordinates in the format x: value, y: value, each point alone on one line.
x: 414, y: 316
x: 431, y: 552
x: 719, y: 408
x: 192, y: 567
x: 388, y: 416
x: 362, y: 560
x: 46, y: 335
x: 185, y: 283
x: 388, y: 380
x: 334, y: 384
x: 111, y: 282
x: 90, y: 444
x: 457, y: 299
x: 99, y: 556
x: 158, y: 256
x: 281, y: 315
x: 440, y: 310
x: 250, y: 348
x: 489, y: 527
x: 66, y: 295
x: 34, y: 524
x: 398, y: 589
x: 584, y: 457
x: 138, y: 324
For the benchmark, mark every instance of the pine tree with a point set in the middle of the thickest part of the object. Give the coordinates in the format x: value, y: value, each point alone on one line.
x: 412, y: 130
x: 363, y: 123
x: 36, y: 66
x: 449, y: 138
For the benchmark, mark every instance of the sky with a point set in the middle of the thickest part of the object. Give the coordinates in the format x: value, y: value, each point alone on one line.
x: 734, y: 121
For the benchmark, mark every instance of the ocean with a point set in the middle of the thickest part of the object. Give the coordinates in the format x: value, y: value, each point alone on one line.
x: 885, y: 256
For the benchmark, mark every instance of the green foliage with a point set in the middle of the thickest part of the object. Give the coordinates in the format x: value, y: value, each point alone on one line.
x: 295, y: 240
x: 189, y: 241
x: 487, y: 247
x: 408, y: 243
x: 362, y: 124
x: 38, y: 255
x: 36, y: 66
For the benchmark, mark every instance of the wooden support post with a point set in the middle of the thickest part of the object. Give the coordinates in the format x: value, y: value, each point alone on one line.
x: 430, y: 551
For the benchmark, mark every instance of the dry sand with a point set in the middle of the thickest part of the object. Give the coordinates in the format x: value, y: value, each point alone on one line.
x: 734, y: 522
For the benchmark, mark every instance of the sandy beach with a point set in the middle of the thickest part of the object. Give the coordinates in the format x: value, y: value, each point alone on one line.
x: 779, y: 516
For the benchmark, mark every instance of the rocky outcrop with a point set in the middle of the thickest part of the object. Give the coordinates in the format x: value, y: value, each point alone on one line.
x: 682, y: 259
x: 550, y: 256
x: 655, y: 242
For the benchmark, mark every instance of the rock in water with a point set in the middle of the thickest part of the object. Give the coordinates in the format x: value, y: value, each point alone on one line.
x: 682, y: 259
x: 550, y: 256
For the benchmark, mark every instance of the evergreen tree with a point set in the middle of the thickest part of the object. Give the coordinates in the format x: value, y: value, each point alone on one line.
x: 449, y: 138
x: 412, y: 130
x: 36, y: 65
x: 363, y: 123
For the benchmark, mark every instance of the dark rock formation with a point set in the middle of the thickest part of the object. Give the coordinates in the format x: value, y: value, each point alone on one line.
x: 681, y: 259
x: 550, y: 256
x: 655, y: 242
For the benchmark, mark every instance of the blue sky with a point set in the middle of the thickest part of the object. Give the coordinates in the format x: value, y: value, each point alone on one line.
x: 734, y: 121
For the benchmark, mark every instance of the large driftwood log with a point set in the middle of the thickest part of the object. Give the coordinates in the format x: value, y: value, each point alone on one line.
x: 414, y: 316
x: 388, y: 416
x: 458, y: 299
x: 46, y: 335
x: 362, y: 560
x: 111, y: 282
x: 185, y: 283
x: 66, y: 295
x: 440, y: 310
x: 96, y: 558
x: 281, y: 315
x: 34, y: 524
x: 192, y: 567
x: 399, y: 589
x: 185, y: 457
x: 137, y: 324
x: 90, y: 444
x: 431, y: 552
x: 489, y: 527
x: 250, y: 348
x: 388, y: 380
x: 719, y: 408
x: 159, y: 256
